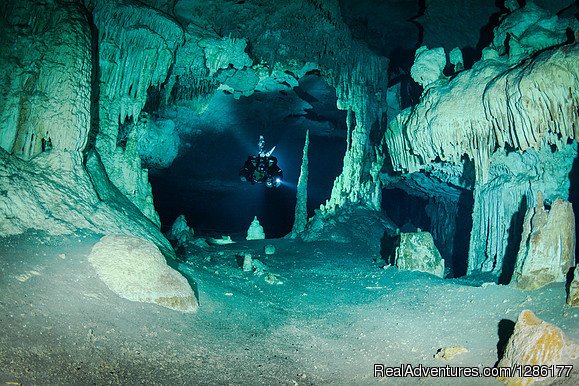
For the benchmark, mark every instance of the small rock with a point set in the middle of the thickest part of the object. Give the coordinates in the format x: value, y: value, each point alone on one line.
x: 270, y: 278
x: 222, y: 241
x: 62, y: 256
x: 260, y: 268
x: 269, y: 249
x: 447, y: 353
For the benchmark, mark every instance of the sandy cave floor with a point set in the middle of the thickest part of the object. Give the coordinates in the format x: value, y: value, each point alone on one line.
x: 332, y: 317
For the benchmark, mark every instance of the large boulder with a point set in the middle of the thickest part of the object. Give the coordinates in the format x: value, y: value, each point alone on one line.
x: 417, y: 252
x: 536, y: 343
x: 135, y: 269
x: 547, y: 249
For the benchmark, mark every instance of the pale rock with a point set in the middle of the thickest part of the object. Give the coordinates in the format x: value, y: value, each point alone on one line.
x: 536, y: 343
x: 417, y: 252
x: 135, y: 269
x: 180, y: 231
x: 238, y: 82
x: 573, y: 295
x: 547, y: 249
x: 221, y: 52
x: 222, y: 241
x: 247, y: 263
x: 276, y: 80
x: 137, y: 46
x: 428, y: 65
x: 189, y: 84
x: 503, y: 200
x: 259, y: 267
x: 269, y: 249
x: 529, y: 29
x: 456, y: 59
x: 448, y: 353
x: 487, y: 107
x: 270, y: 278
x: 255, y: 231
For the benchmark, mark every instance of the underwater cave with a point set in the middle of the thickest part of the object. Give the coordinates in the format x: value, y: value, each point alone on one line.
x: 292, y: 192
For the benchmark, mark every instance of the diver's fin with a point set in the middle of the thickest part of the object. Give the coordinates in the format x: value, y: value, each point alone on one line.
x: 269, y: 152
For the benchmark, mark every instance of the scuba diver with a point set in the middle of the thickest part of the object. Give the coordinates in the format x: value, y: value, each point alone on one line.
x: 262, y: 168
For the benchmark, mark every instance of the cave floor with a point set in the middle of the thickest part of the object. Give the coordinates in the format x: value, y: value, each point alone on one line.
x: 327, y: 314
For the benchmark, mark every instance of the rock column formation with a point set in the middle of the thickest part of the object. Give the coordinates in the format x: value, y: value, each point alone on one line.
x: 301, y: 212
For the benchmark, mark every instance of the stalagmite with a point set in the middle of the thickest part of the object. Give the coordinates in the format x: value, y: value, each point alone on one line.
x: 137, y: 45
x: 255, y: 231
x: 301, y: 212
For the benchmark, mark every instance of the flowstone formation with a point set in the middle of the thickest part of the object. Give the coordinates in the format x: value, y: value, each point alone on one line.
x: 45, y: 65
x: 547, y: 250
x: 505, y: 129
x: 136, y: 47
x: 48, y: 75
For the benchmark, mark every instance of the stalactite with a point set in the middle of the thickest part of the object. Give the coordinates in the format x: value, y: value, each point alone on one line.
x: 515, y: 180
x: 137, y: 45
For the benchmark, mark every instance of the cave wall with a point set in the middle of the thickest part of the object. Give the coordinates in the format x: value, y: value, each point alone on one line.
x: 49, y: 179
x: 513, y: 117
x: 44, y: 105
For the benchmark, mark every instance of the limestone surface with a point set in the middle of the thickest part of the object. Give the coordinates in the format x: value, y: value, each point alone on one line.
x: 45, y: 67
x: 428, y: 65
x: 158, y: 143
x: 448, y: 353
x: 417, y: 252
x: 180, y: 231
x: 536, y: 342
x: 53, y: 192
x: 573, y: 295
x: 301, y: 211
x: 255, y: 230
x: 136, y: 270
x: 547, y: 249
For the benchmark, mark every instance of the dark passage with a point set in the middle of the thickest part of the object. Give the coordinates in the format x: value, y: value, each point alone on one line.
x: 203, y: 182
